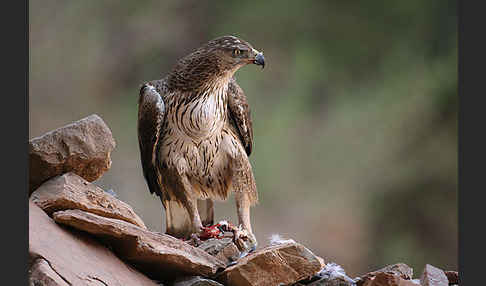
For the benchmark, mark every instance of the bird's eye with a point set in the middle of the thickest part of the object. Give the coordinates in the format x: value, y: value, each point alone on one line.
x: 236, y: 52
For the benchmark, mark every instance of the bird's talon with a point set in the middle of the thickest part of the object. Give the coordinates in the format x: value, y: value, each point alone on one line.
x: 244, y: 240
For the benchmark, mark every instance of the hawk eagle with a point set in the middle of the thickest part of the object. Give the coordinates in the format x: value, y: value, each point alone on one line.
x: 195, y: 135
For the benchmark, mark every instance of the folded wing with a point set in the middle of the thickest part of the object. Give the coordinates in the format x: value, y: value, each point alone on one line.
x: 151, y: 113
x: 239, y: 111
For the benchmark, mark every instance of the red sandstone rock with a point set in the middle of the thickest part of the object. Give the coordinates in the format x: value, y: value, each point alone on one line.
x: 224, y: 249
x: 160, y: 256
x: 41, y: 273
x: 387, y: 279
x: 82, y: 147
x: 433, y: 276
x: 281, y: 264
x: 75, y: 257
x: 399, y: 269
x: 70, y: 191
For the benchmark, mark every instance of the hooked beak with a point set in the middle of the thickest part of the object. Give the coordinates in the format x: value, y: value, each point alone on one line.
x: 259, y: 60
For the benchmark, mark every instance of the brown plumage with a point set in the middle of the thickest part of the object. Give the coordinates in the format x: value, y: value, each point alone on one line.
x: 195, y: 135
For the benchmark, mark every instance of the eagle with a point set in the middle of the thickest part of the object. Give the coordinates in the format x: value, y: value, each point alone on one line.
x: 195, y: 136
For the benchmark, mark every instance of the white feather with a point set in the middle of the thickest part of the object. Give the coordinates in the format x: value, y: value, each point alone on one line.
x: 276, y: 239
x: 223, y: 222
x: 332, y: 271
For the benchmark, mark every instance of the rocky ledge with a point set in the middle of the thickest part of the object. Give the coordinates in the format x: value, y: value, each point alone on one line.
x: 80, y: 234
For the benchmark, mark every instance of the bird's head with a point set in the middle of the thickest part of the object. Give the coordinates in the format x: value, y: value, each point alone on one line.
x: 216, y: 60
x: 234, y: 52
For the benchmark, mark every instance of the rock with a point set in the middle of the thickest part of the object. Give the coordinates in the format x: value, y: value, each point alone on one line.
x: 330, y: 282
x: 75, y: 257
x: 41, y: 273
x: 224, y: 249
x: 158, y: 255
x: 70, y: 191
x: 213, y: 246
x: 433, y: 276
x: 82, y: 147
x: 452, y: 276
x: 399, y: 269
x: 387, y: 279
x: 229, y: 254
x: 280, y: 264
x: 195, y: 281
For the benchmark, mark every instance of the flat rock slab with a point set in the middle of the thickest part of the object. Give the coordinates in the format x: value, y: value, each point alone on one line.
x: 74, y: 257
x: 83, y: 147
x: 158, y: 255
x: 400, y: 270
x: 433, y: 276
x: 70, y: 191
x: 41, y: 273
x: 214, y: 246
x: 387, y: 279
x: 224, y: 249
x: 274, y: 265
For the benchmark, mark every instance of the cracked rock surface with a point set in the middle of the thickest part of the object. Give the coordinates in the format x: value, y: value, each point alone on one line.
x: 70, y: 191
x: 160, y: 256
x: 274, y: 265
x: 59, y: 255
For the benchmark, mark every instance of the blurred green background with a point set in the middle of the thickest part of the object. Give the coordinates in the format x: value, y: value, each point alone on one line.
x: 355, y: 113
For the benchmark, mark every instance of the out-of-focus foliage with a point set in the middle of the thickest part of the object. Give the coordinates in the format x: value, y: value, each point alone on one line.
x: 355, y: 113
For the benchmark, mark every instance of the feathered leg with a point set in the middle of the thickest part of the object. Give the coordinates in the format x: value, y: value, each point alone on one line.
x: 245, y: 239
x: 206, y: 209
x: 191, y: 206
x: 182, y: 216
x: 177, y: 219
x: 243, y: 210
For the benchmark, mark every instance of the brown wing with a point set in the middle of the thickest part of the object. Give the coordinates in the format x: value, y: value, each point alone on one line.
x: 240, y: 114
x: 151, y: 110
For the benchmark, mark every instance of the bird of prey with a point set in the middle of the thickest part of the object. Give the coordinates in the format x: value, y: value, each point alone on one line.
x: 195, y: 135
